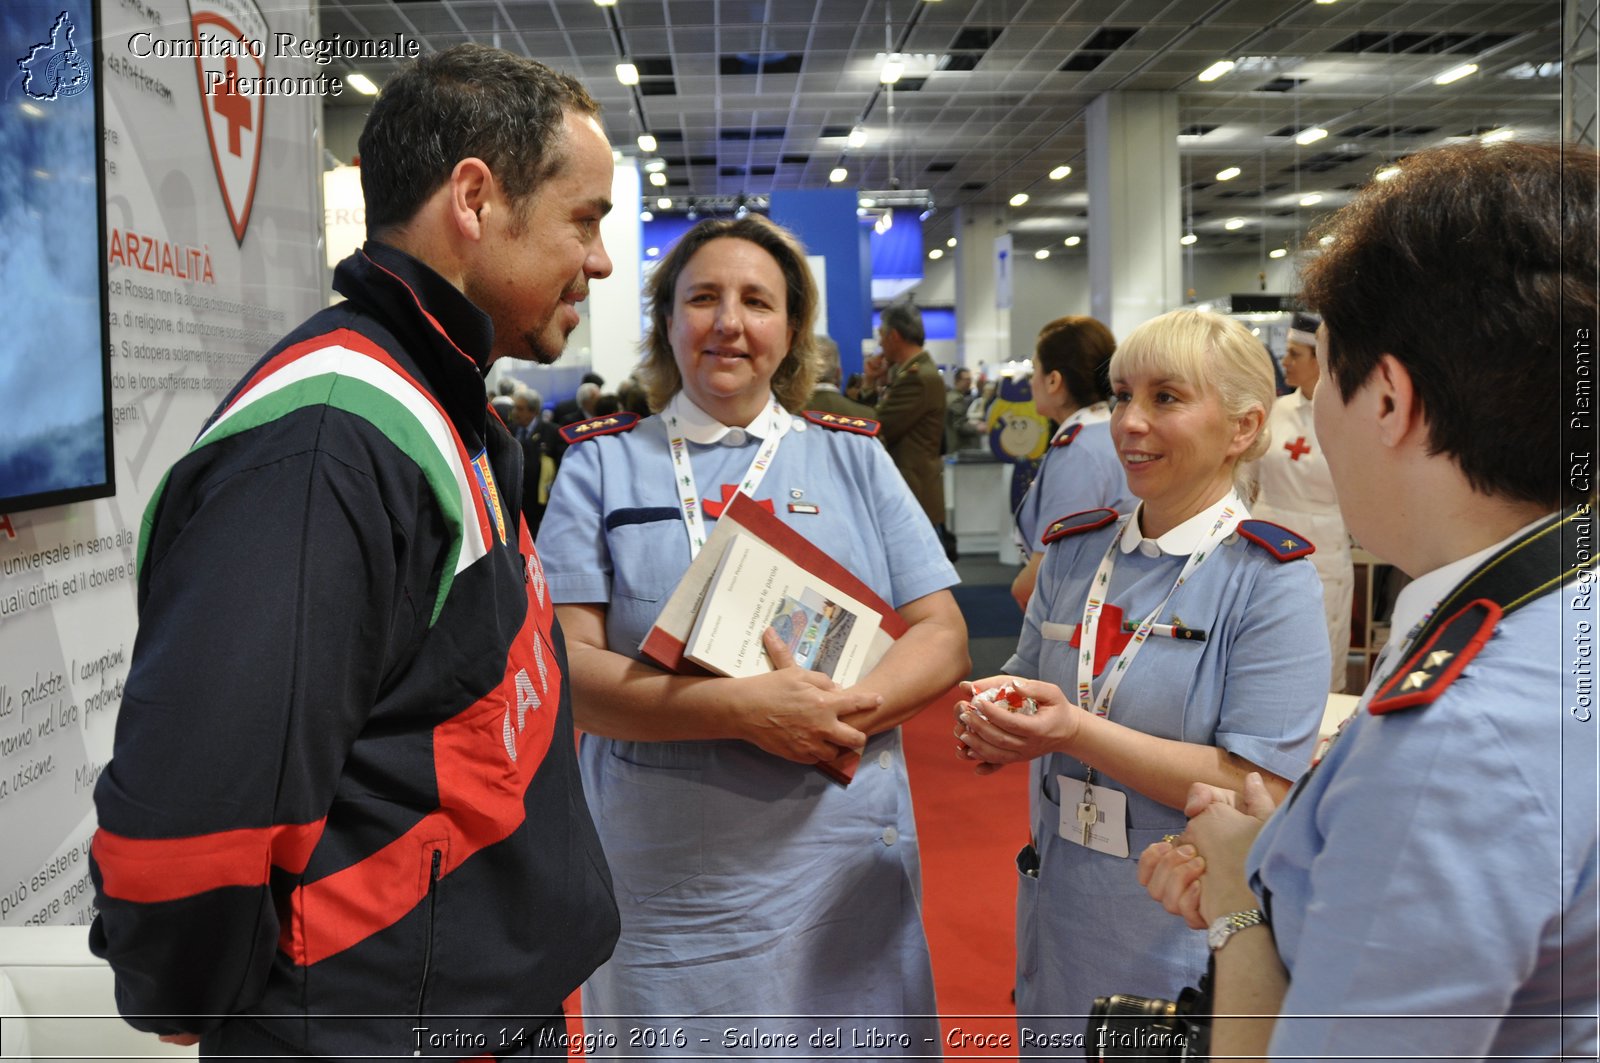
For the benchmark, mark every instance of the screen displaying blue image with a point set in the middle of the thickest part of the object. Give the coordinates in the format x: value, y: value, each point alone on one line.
x: 55, y: 409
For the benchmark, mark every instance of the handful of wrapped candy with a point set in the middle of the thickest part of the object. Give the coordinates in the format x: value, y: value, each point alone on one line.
x: 1007, y: 696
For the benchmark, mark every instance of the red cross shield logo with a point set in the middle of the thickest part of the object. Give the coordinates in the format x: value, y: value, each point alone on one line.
x: 230, y: 39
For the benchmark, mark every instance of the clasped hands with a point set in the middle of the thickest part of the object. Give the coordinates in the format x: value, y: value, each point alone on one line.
x: 1200, y: 875
x: 801, y: 715
x: 995, y: 736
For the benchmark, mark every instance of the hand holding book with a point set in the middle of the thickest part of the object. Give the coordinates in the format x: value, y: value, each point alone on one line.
x: 795, y: 713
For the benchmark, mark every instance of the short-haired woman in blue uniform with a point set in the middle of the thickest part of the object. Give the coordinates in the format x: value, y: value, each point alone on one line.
x: 1079, y: 469
x: 1430, y: 890
x: 751, y: 887
x: 1182, y: 641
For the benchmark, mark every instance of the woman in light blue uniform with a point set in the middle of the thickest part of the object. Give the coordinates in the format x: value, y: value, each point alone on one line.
x: 1223, y: 672
x: 1079, y: 469
x: 1430, y: 889
x: 751, y: 887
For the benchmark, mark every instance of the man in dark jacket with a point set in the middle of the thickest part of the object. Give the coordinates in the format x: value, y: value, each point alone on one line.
x: 342, y: 817
x: 911, y: 409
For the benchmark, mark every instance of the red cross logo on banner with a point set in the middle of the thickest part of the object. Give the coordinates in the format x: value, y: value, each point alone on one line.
x: 1109, y: 638
x: 714, y: 509
x: 1298, y: 449
x: 233, y: 108
x: 228, y: 37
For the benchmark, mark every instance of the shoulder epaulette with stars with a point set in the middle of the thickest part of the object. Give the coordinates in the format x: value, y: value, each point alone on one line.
x: 843, y: 422
x: 1087, y: 521
x: 1435, y: 666
x: 607, y: 425
x: 1277, y: 540
x: 1067, y: 437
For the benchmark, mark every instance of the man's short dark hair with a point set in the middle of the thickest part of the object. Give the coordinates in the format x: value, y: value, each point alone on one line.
x: 1476, y: 268
x: 469, y: 101
x: 905, y: 319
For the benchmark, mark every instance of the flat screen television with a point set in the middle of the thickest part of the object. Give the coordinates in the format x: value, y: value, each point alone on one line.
x: 55, y: 372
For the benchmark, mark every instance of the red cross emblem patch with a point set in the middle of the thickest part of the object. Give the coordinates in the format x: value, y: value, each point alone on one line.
x: 1109, y: 638
x: 714, y: 509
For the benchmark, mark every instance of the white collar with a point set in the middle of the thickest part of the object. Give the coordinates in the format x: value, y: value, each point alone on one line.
x: 1186, y: 538
x: 823, y: 385
x: 1418, y: 598
x: 698, y: 426
x: 1095, y: 413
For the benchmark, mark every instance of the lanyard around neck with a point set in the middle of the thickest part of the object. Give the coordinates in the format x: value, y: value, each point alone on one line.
x: 689, y: 494
x: 1099, y: 590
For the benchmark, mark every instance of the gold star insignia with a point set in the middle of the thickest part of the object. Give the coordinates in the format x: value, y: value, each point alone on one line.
x: 1415, y: 680
x: 1288, y: 544
x: 1436, y: 658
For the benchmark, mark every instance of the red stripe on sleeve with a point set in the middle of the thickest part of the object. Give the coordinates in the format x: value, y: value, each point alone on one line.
x: 152, y: 870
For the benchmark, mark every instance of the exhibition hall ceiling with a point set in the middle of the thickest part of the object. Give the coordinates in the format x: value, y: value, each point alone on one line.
x: 750, y: 96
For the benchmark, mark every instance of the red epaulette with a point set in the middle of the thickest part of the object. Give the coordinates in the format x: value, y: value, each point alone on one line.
x: 1435, y: 666
x: 843, y: 422
x: 1276, y: 540
x: 606, y: 425
x: 1067, y: 437
x: 1088, y: 520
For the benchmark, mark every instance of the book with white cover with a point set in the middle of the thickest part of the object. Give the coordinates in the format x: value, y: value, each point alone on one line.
x: 756, y: 587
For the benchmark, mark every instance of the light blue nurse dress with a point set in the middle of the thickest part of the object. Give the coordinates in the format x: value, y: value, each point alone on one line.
x: 1255, y: 686
x: 766, y: 911
x: 1439, y: 865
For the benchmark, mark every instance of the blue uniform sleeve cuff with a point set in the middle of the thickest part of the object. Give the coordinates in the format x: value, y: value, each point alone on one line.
x: 1288, y: 760
x: 922, y: 581
x: 577, y: 588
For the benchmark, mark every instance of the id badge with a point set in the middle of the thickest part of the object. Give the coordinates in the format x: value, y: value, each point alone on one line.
x: 1100, y: 809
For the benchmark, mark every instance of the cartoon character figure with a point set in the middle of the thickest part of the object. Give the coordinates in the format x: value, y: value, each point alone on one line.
x: 1018, y: 432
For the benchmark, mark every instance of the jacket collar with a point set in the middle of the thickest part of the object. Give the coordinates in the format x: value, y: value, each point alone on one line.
x: 439, y: 326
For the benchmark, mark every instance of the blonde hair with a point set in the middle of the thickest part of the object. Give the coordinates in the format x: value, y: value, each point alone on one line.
x: 1209, y: 351
x: 796, y: 375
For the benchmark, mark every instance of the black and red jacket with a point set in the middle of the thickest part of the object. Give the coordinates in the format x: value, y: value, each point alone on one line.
x: 343, y: 801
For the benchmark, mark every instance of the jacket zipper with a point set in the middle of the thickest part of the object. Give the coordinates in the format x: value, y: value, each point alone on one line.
x: 427, y: 948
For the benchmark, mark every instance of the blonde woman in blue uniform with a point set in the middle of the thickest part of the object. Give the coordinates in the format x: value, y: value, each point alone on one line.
x: 1430, y: 889
x: 1079, y: 469
x: 751, y: 887
x: 1182, y: 641
x: 1296, y: 489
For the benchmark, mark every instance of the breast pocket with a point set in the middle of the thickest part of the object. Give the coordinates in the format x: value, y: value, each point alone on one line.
x: 649, y: 552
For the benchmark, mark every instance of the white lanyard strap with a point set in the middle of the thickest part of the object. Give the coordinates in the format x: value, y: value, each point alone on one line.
x: 1099, y: 589
x: 689, y: 494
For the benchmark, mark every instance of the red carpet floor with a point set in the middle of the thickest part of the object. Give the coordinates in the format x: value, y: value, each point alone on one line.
x: 970, y: 829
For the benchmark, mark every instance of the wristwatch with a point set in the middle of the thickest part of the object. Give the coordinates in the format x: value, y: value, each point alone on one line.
x: 1225, y: 926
